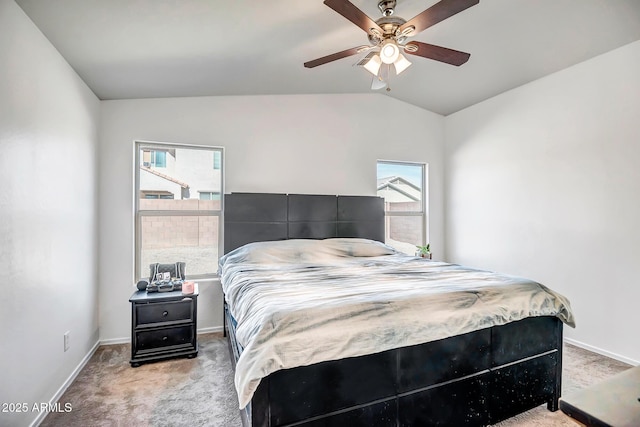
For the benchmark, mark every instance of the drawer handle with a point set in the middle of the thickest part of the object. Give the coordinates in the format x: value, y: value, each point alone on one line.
x: 165, y: 313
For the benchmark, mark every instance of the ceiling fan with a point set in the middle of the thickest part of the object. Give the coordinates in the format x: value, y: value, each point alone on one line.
x: 389, y: 36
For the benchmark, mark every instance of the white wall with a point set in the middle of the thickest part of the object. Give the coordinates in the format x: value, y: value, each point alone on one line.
x: 544, y: 182
x: 48, y: 216
x: 316, y: 144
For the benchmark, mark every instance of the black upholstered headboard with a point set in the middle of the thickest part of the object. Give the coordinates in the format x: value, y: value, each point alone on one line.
x: 257, y: 217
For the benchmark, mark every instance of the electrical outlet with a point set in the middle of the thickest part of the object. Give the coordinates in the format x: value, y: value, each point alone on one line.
x: 66, y: 340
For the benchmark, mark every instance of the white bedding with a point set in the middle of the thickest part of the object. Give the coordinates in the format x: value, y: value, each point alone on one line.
x: 299, y: 302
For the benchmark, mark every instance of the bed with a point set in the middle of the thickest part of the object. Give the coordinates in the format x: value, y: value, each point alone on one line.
x: 477, y: 372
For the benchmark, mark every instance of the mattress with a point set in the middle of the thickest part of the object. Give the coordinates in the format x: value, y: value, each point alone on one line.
x: 300, y: 302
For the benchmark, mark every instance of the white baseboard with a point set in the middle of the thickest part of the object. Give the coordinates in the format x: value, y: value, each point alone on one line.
x: 210, y: 330
x: 127, y: 340
x: 602, y: 352
x: 112, y: 341
x: 41, y: 415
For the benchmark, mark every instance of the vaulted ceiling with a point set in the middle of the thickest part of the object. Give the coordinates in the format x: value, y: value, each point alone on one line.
x: 167, y: 48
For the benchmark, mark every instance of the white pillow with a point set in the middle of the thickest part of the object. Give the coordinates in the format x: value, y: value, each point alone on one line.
x: 358, y: 247
x: 303, y: 251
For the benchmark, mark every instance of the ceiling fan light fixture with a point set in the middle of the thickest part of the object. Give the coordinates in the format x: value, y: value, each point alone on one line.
x: 401, y: 64
x: 373, y: 65
x: 411, y: 48
x: 375, y: 33
x: 389, y: 51
x: 377, y: 83
x: 406, y: 32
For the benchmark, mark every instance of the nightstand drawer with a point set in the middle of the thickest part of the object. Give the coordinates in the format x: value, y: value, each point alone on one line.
x: 164, y: 312
x: 165, y: 337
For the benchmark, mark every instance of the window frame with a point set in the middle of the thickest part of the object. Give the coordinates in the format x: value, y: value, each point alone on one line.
x: 424, y: 206
x: 140, y: 145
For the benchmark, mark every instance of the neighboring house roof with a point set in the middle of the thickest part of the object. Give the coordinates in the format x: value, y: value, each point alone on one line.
x: 398, y: 189
x: 164, y: 176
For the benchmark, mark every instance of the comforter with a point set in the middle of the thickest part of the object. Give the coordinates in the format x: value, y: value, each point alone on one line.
x: 300, y: 302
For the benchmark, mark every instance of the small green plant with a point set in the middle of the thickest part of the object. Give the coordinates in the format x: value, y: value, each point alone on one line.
x: 424, y: 250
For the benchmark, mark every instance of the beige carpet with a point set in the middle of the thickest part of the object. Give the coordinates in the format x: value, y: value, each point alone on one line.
x: 200, y: 392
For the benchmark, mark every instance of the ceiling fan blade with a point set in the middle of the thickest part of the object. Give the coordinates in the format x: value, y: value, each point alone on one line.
x: 438, y: 12
x: 353, y: 14
x: 336, y: 56
x: 437, y: 53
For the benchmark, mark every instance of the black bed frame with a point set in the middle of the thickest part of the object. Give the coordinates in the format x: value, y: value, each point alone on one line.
x: 478, y: 378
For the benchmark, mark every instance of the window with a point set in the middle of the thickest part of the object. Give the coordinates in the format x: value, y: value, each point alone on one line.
x: 178, y: 210
x: 402, y: 186
x: 217, y: 160
x: 156, y: 159
x: 209, y: 195
x: 156, y: 195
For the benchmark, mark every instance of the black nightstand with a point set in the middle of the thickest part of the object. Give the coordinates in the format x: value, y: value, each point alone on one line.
x: 163, y: 325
